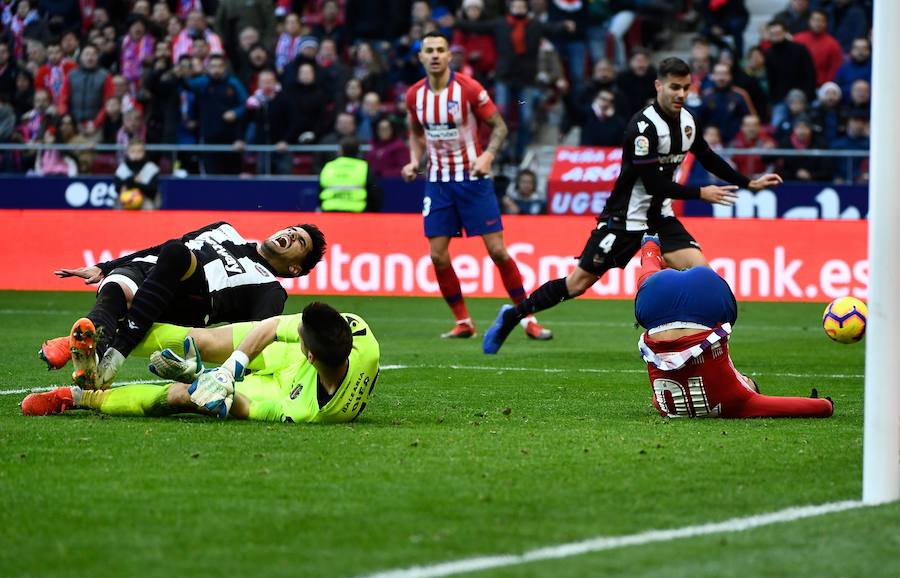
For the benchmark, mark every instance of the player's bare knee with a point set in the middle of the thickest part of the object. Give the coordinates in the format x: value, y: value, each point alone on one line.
x: 498, y: 254
x: 440, y: 260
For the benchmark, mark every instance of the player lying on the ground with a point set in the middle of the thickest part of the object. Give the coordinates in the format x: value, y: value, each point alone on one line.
x: 656, y: 142
x: 688, y: 317
x: 211, y: 275
x: 316, y: 366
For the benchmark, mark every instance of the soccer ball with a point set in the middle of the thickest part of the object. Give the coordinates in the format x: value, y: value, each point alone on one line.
x: 844, y: 319
x: 131, y: 199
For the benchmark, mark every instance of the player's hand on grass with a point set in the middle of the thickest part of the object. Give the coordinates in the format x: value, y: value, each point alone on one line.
x: 719, y: 195
x: 409, y: 172
x: 213, y: 391
x: 764, y: 182
x: 90, y: 275
x: 482, y: 165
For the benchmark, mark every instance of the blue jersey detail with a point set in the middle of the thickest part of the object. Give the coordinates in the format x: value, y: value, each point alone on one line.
x: 697, y: 295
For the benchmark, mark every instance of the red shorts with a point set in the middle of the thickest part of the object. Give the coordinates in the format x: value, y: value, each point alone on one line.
x: 708, y: 385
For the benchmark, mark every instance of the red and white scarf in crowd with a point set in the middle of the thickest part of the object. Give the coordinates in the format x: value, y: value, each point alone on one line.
x: 183, y: 44
x: 133, y: 54
x: 286, y: 49
x: 17, y: 27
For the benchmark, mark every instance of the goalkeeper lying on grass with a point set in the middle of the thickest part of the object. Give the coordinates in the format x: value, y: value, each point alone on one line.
x: 317, y: 366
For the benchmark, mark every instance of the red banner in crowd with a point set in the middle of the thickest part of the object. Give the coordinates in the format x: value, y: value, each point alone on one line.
x: 772, y: 260
x: 581, y: 179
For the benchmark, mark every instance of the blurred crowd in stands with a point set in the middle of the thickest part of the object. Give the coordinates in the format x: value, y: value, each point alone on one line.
x: 287, y: 72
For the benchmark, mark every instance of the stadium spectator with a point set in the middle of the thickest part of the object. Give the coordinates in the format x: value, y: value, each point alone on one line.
x: 572, y: 45
x: 603, y: 78
x: 367, y: 116
x: 725, y: 105
x: 288, y: 46
x: 331, y: 27
x: 795, y: 16
x: 7, y: 124
x: 603, y: 124
x: 850, y: 170
x: 35, y: 121
x: 109, y: 48
x: 637, y: 83
x: 751, y: 136
x: 307, y: 49
x: 221, y: 102
x: 308, y: 103
x: 480, y: 50
x: 785, y: 113
x: 804, y: 168
x: 8, y: 71
x: 351, y: 99
x: 860, y: 98
x: 757, y: 98
x: 518, y: 40
x: 161, y: 83
x: 200, y: 50
x: 825, y: 51
x: 54, y: 161
x: 196, y: 28
x: 233, y: 16
x: 723, y: 19
x: 344, y: 125
x: 23, y: 97
x: 688, y: 317
x: 701, y: 67
x: 109, y: 121
x: 755, y: 69
x: 133, y: 128
x: 85, y: 88
x: 25, y: 24
x: 368, y: 66
x: 37, y: 56
x: 848, y: 22
x: 347, y: 184
x: 389, y: 152
x: 524, y: 199
x: 699, y: 175
x: 160, y: 16
x: 331, y: 72
x: 136, y: 171
x: 857, y: 67
x: 270, y: 117
x: 136, y: 50
x: 71, y: 45
x: 788, y: 65
x: 61, y: 15
x: 826, y: 111
x: 52, y: 75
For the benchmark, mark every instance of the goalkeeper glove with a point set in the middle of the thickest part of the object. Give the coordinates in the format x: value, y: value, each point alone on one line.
x: 169, y: 365
x: 213, y: 390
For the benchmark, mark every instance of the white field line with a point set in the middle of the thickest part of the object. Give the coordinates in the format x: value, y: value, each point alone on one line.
x: 50, y: 387
x: 602, y: 370
x: 602, y: 543
x: 478, y: 368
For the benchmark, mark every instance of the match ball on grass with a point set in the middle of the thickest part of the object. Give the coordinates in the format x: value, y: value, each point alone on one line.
x: 844, y: 319
x: 131, y: 199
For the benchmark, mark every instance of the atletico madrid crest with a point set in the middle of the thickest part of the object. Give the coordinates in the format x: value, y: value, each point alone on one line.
x: 453, y: 107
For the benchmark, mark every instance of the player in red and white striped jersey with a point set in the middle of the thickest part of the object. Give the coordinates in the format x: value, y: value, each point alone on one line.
x: 445, y: 110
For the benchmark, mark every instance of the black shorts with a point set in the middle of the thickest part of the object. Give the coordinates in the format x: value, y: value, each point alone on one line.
x: 190, y: 304
x: 613, y: 248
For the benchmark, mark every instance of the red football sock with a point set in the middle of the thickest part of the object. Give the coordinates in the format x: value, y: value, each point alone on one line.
x: 651, y: 261
x: 512, y: 280
x: 450, y: 289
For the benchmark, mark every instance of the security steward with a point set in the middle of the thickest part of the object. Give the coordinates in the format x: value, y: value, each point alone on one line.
x: 346, y: 184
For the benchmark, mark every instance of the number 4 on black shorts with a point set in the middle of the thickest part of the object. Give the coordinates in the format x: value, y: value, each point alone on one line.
x: 608, y: 249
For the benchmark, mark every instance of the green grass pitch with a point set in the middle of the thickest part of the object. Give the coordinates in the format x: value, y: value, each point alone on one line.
x: 457, y: 455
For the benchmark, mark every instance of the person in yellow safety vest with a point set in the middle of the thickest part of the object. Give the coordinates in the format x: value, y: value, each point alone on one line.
x: 346, y: 184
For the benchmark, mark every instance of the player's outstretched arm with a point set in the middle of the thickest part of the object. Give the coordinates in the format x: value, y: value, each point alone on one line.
x: 482, y: 165
x: 90, y: 275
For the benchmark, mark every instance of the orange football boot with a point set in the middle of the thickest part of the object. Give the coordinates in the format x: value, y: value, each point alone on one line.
x: 83, y: 347
x: 56, y: 401
x: 55, y: 352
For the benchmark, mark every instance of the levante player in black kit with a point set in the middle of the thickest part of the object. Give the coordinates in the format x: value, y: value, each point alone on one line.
x: 211, y: 275
x: 657, y: 139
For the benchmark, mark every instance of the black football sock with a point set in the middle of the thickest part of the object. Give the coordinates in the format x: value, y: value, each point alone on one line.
x: 111, y: 305
x: 153, y: 296
x: 544, y: 297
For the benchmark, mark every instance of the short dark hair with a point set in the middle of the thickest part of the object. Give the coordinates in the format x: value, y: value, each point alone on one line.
x: 777, y: 22
x: 819, y: 11
x: 326, y: 333
x: 436, y: 34
x: 215, y: 56
x: 349, y: 146
x: 316, y: 252
x: 673, y: 66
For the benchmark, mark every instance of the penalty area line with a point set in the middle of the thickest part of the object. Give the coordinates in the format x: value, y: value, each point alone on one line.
x: 603, y: 543
x: 51, y: 387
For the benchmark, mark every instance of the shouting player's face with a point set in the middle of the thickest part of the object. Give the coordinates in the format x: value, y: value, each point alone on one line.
x: 286, y: 249
x: 671, y: 92
x: 435, y: 55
